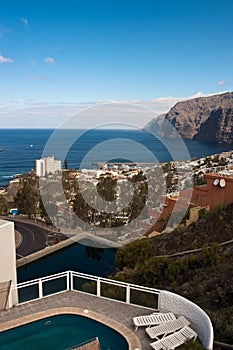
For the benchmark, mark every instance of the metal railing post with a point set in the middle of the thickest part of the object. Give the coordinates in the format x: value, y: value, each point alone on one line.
x: 40, y: 288
x: 68, y: 280
x: 71, y: 280
x: 98, y: 292
x: 128, y: 294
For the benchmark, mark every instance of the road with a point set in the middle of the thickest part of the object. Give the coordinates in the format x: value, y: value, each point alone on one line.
x: 34, y: 237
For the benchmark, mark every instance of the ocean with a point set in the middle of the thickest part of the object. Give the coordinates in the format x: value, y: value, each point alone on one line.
x: 21, y: 147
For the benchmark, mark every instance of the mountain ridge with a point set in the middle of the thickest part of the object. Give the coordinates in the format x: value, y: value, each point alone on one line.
x: 206, y: 119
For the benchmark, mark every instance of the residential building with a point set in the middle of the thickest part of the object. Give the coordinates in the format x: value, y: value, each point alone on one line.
x: 218, y: 189
x: 45, y: 166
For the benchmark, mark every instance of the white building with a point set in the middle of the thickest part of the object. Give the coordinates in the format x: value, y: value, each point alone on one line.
x: 8, y: 277
x: 47, y: 165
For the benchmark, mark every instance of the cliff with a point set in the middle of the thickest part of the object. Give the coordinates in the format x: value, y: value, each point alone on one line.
x: 208, y: 119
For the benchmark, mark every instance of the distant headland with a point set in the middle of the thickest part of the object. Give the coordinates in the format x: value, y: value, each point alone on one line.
x: 206, y: 119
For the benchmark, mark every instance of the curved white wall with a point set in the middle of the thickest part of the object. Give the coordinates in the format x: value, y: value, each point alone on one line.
x: 171, y: 302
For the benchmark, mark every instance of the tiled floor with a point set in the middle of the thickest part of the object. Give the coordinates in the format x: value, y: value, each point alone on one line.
x: 105, y: 308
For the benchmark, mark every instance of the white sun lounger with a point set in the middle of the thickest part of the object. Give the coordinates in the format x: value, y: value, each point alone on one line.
x: 153, y: 319
x: 176, y: 339
x: 166, y: 328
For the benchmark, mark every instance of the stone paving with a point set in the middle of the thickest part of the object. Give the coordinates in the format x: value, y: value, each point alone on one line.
x: 105, y: 310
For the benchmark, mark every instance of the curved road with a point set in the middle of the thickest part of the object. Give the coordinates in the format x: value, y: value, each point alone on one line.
x: 34, y: 237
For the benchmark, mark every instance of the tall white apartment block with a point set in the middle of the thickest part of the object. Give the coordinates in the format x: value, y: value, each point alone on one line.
x: 40, y: 167
x: 47, y: 165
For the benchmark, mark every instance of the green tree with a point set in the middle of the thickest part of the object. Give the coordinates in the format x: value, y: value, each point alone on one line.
x: 210, y: 254
x: 82, y: 208
x: 3, y: 205
x: 134, y: 254
x: 106, y: 188
x: 27, y: 198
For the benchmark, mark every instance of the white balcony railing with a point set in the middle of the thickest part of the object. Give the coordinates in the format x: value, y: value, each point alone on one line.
x: 76, y: 281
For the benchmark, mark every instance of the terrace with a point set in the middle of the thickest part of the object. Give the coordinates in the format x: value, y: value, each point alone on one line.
x: 110, y: 302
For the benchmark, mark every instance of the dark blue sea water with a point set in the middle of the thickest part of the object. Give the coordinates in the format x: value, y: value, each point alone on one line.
x: 21, y: 147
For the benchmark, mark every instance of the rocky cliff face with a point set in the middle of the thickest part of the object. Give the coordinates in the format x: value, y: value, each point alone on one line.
x: 208, y: 119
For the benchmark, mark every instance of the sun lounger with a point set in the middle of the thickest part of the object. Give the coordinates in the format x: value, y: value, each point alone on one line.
x: 175, y: 339
x: 153, y: 319
x: 166, y: 328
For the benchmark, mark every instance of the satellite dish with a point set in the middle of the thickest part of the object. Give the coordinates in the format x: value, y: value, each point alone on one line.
x: 216, y: 182
x: 222, y: 183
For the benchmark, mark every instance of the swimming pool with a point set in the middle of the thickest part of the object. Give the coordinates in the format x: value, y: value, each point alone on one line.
x: 59, y: 333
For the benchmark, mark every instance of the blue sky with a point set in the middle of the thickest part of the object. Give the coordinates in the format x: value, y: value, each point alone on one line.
x: 56, y: 56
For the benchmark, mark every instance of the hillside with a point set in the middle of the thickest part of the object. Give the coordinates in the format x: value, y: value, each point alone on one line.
x: 207, y: 119
x: 205, y: 277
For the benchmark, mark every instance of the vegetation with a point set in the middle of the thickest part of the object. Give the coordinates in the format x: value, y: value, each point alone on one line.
x: 191, y: 345
x: 204, y: 277
x: 4, y: 206
x: 27, y: 197
x: 63, y: 189
x: 107, y: 190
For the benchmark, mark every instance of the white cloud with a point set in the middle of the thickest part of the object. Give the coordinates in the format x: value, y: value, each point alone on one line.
x: 36, y: 103
x: 5, y: 59
x: 221, y: 82
x: 25, y: 22
x: 162, y: 105
x: 50, y: 60
x: 51, y: 115
x: 15, y: 101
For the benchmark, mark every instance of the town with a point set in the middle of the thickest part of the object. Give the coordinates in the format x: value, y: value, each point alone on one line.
x: 136, y: 200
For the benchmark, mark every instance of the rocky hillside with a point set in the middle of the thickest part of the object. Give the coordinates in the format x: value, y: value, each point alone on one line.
x: 205, y: 277
x: 208, y: 119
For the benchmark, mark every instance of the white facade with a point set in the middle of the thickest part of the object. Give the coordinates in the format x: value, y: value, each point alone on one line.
x: 8, y: 257
x: 47, y: 166
x: 40, y: 167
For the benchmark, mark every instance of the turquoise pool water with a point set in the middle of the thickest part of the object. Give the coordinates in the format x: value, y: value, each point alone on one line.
x: 60, y: 333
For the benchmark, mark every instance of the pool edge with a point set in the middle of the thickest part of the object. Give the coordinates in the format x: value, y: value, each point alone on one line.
x: 131, y: 338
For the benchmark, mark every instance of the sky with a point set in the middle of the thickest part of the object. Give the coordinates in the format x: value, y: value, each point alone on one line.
x: 57, y: 57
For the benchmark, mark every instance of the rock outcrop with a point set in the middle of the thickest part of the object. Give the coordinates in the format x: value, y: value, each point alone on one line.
x: 208, y: 119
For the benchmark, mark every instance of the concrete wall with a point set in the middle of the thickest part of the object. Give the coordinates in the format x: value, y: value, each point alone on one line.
x: 8, y: 256
x: 200, y: 321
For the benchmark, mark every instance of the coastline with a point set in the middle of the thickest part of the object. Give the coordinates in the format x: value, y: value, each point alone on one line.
x: 19, y: 157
